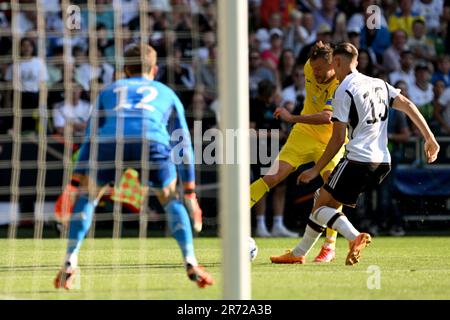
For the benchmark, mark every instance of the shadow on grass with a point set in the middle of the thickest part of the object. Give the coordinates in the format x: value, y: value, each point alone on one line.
x: 28, y: 268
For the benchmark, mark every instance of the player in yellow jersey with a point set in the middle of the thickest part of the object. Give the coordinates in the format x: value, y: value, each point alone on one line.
x: 309, y: 136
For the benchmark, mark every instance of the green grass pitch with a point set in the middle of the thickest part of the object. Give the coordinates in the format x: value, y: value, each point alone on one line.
x: 409, y: 268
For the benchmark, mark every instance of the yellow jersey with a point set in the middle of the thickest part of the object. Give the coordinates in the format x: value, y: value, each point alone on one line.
x: 318, y: 98
x: 396, y: 21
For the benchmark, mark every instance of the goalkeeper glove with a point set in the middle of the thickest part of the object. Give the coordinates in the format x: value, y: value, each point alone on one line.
x: 192, y: 206
x: 66, y: 201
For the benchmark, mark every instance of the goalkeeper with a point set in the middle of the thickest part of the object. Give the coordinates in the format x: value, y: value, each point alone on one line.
x: 140, y: 112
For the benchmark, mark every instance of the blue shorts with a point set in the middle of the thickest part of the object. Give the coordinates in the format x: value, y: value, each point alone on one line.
x: 162, y: 171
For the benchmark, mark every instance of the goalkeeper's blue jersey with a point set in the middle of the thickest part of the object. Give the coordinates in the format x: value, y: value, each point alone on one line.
x: 136, y: 108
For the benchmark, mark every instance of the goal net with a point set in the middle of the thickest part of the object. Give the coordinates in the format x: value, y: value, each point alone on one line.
x: 55, y: 57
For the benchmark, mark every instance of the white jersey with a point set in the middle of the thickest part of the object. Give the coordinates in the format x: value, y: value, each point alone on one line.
x: 64, y: 113
x: 363, y: 102
x: 30, y: 73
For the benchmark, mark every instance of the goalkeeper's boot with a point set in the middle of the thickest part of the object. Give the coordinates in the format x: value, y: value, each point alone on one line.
x: 199, y: 276
x: 288, y: 258
x: 356, y: 247
x: 65, y: 278
x: 326, y: 255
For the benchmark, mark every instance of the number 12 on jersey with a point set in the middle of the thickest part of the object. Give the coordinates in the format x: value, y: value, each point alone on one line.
x: 148, y: 95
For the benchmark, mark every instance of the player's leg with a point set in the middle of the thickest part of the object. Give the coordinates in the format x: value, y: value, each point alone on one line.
x: 298, y: 149
x: 291, y: 155
x: 328, y: 250
x: 88, y: 195
x: 83, y: 209
x: 260, y: 188
x: 163, y: 182
x: 79, y: 225
x: 346, y: 183
x: 310, y: 237
x: 326, y: 214
x: 278, y: 172
x: 313, y: 231
x: 260, y: 206
x: 178, y: 219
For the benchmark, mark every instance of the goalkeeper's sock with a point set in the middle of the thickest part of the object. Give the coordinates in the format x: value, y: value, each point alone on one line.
x: 180, y: 227
x: 80, y: 222
x: 257, y: 190
x: 71, y: 260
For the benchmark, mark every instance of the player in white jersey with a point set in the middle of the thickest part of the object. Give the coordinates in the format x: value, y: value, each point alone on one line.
x: 360, y: 103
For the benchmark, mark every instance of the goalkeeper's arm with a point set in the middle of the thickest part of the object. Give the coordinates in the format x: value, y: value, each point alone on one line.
x: 183, y: 156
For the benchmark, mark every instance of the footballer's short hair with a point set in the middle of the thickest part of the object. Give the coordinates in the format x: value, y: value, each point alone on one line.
x: 139, y: 59
x: 346, y: 49
x: 322, y: 50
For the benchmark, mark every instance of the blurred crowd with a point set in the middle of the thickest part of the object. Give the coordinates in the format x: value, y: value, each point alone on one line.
x: 80, y: 51
x: 406, y: 45
x: 405, y: 42
x: 409, y: 46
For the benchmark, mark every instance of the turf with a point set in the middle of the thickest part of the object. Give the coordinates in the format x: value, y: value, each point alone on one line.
x: 410, y: 268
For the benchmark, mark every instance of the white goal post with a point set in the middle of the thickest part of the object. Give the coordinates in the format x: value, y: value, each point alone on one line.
x: 234, y: 194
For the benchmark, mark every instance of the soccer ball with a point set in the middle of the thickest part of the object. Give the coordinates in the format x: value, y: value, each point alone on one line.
x: 253, y: 248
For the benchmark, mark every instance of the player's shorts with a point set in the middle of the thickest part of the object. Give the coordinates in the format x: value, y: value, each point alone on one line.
x: 161, y: 171
x: 301, y: 148
x: 351, y: 178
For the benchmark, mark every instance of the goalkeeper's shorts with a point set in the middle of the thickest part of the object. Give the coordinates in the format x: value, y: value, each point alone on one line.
x: 161, y: 170
x: 301, y: 149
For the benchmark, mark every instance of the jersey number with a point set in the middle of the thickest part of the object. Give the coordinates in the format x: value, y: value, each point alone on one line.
x: 148, y: 95
x: 380, y: 102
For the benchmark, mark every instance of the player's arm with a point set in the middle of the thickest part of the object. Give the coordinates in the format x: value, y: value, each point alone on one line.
x: 185, y: 162
x: 181, y: 144
x: 405, y: 105
x: 323, y: 117
x: 337, y: 140
x: 341, y: 106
